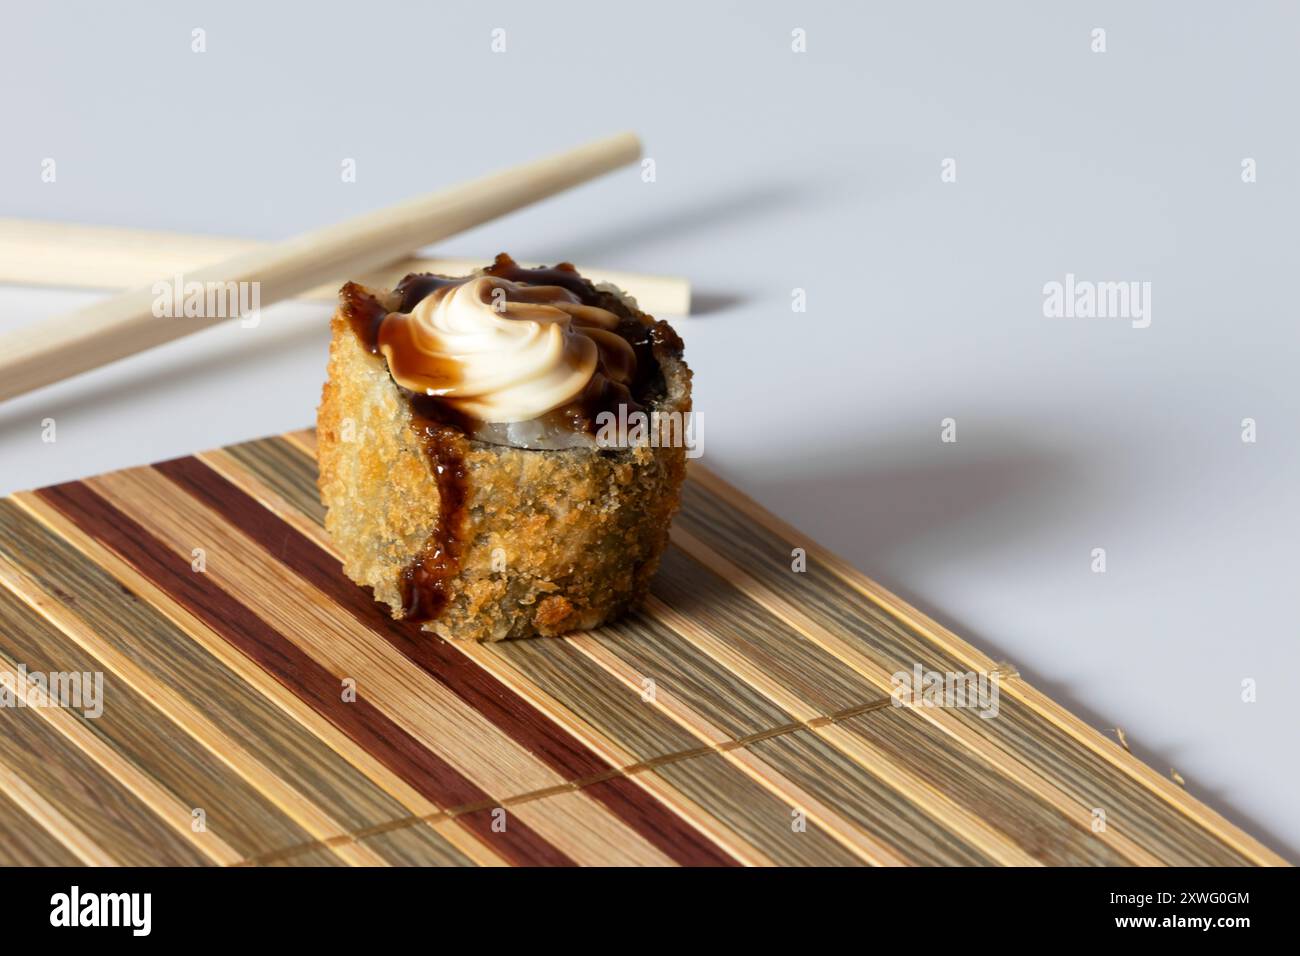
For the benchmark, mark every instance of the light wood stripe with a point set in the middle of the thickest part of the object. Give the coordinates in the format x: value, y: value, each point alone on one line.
x: 751, y: 633
x: 237, y: 473
x: 24, y: 842
x: 311, y: 855
x: 304, y: 440
x: 725, y: 793
x: 414, y: 845
x: 48, y: 816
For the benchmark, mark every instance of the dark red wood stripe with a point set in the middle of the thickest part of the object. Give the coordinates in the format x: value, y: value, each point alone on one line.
x: 430, y: 775
x: 518, y: 718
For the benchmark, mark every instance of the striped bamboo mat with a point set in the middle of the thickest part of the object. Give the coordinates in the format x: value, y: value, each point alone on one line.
x: 259, y: 709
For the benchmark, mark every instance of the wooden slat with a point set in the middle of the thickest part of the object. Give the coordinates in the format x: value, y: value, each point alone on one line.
x: 46, y: 829
x: 312, y: 855
x: 862, y: 841
x: 24, y: 841
x: 722, y: 792
x: 414, y: 845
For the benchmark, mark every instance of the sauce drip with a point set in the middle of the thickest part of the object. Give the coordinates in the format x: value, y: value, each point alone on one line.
x: 425, y: 580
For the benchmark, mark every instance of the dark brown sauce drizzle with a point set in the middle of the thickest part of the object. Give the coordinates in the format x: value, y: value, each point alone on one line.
x: 425, y: 581
x: 443, y: 430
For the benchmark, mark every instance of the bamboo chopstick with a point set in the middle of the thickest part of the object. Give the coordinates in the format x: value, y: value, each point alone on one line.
x: 78, y: 256
x: 70, y: 344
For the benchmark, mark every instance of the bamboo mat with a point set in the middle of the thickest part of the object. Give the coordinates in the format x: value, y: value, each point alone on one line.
x: 263, y: 711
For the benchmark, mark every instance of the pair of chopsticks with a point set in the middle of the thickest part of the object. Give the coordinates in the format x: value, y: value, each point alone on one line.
x: 72, y: 255
x: 125, y: 324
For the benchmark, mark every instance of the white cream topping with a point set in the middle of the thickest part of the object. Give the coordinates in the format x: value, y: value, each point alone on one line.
x: 501, y: 351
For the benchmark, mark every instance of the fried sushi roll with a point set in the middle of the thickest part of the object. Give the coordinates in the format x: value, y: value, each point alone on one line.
x: 474, y: 458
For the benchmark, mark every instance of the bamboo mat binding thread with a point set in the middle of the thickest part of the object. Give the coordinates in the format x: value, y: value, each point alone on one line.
x: 768, y: 737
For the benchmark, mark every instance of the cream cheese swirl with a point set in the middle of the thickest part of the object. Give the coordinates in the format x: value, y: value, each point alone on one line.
x: 502, y: 351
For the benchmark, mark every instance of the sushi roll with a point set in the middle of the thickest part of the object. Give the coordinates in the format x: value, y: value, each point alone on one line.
x: 475, y: 460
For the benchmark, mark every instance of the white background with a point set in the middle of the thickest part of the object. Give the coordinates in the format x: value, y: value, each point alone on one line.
x: 775, y: 171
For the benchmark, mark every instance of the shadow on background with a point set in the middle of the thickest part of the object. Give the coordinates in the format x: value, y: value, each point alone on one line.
x: 711, y: 303
x: 271, y: 345
x: 673, y: 220
x: 910, y: 497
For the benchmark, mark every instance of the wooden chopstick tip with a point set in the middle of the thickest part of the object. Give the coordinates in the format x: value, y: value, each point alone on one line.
x: 631, y: 143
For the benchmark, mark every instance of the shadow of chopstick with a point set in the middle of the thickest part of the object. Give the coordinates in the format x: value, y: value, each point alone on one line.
x: 214, y: 363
